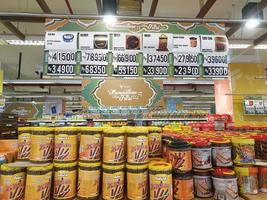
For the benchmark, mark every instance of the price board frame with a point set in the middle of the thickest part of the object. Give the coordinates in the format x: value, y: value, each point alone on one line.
x: 214, y: 68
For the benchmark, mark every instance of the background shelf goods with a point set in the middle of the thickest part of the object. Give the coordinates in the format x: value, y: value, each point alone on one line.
x: 98, y: 54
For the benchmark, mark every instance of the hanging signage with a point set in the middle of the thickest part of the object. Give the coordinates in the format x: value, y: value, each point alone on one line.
x: 25, y: 110
x: 255, y: 106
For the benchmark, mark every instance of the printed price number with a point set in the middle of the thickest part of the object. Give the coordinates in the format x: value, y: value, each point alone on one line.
x: 55, y: 57
x: 215, y: 59
x: 185, y: 58
x: 93, y: 70
x: 216, y: 71
x: 156, y: 58
x: 155, y: 71
x: 126, y: 58
x: 126, y: 70
x: 186, y: 71
x: 58, y: 69
x: 94, y: 57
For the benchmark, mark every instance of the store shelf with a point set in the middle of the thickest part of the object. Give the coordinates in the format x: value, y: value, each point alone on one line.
x: 54, y: 121
x: 261, y: 163
x: 27, y: 164
x: 260, y: 196
x: 152, y: 119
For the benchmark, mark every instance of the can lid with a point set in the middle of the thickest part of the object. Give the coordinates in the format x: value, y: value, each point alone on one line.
x: 201, y: 143
x: 8, y: 168
x: 178, y: 144
x: 25, y: 128
x: 41, y: 168
x: 112, y: 130
x: 152, y: 129
x: 66, y: 128
x: 224, y: 173
x: 157, y: 160
x: 160, y: 166
x: 89, y: 128
x: 136, y: 167
x: 42, y: 128
x: 65, y: 165
x: 113, y: 167
x: 89, y: 164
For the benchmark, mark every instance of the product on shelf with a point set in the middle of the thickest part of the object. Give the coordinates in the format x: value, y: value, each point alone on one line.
x: 42, y: 144
x: 90, y: 149
x: 183, y: 185
x: 137, y: 145
x: 89, y: 175
x: 203, y: 187
x: 12, y: 182
x: 221, y: 152
x: 263, y: 179
x: 113, y: 145
x: 165, y: 142
x: 154, y: 141
x: 180, y: 156
x: 66, y: 144
x: 243, y: 151
x: 247, y: 177
x: 65, y: 178
x: 113, y: 182
x: 225, y: 184
x: 24, y: 143
x: 137, y: 182
x: 201, y: 154
x: 160, y: 180
x: 38, y: 182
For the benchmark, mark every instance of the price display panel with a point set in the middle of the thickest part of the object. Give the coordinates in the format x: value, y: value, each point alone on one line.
x: 155, y: 71
x: 185, y: 71
x: 94, y: 63
x: 215, y: 71
x: 125, y: 70
x: 61, y: 63
x: 156, y: 59
x: 215, y: 60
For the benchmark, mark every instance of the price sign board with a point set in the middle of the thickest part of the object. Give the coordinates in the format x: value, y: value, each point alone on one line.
x: 61, y: 40
x: 155, y: 71
x: 156, y: 59
x: 186, y: 71
x: 61, y: 63
x: 125, y: 70
x: 186, y: 43
x: 185, y: 59
x: 125, y: 58
x: 214, y: 44
x: 212, y: 71
x: 215, y: 60
x: 93, y: 70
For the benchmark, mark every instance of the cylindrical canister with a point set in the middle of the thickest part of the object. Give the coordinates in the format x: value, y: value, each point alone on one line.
x: 179, y: 155
x: 221, y: 153
x: 65, y: 178
x: 66, y: 144
x: 203, y: 183
x: 225, y: 184
x: 38, y: 182
x: 201, y: 154
x: 263, y: 179
x: 137, y: 182
x: 160, y: 181
x: 154, y: 141
x: 42, y: 144
x: 90, y: 144
x: 137, y: 145
x: 24, y: 143
x: 247, y: 179
x: 113, y: 146
x: 183, y: 186
x: 243, y: 151
x: 165, y: 142
x: 12, y: 182
x: 88, y: 180
x: 113, y: 182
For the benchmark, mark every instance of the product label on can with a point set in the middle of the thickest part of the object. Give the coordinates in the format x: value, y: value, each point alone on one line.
x: 222, y: 156
x: 137, y: 185
x: 262, y: 180
x: 12, y: 186
x: 42, y: 147
x: 203, y: 186
x: 113, y: 185
x: 183, y: 189
x: 113, y: 149
x: 181, y: 160
x: 161, y: 186
x: 201, y: 158
x: 88, y: 183
x: 65, y: 147
x: 38, y: 186
x: 90, y: 147
x: 65, y: 184
x: 154, y: 142
x: 24, y: 146
x: 137, y: 149
x: 225, y: 188
x: 243, y: 153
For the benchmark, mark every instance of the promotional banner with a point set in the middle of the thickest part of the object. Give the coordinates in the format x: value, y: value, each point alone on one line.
x: 25, y: 110
x: 134, y: 93
x: 93, y: 48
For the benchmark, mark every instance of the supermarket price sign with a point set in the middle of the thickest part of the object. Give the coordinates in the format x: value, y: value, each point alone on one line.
x: 93, y: 70
x: 125, y: 70
x: 186, y: 71
x: 156, y: 71
x: 213, y: 71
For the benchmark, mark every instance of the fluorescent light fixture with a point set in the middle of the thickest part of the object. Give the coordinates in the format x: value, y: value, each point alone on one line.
x: 26, y: 42
x: 261, y: 46
x: 110, y: 19
x: 252, y: 23
x: 238, y: 46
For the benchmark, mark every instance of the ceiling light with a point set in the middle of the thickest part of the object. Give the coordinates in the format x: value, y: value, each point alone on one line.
x: 110, y: 19
x: 238, y: 46
x: 26, y: 42
x: 261, y: 46
x: 252, y: 23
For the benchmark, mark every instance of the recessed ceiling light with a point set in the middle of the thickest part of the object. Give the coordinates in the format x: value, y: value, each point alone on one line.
x: 110, y: 19
x: 261, y: 46
x: 238, y: 46
x: 252, y: 23
x: 26, y: 42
